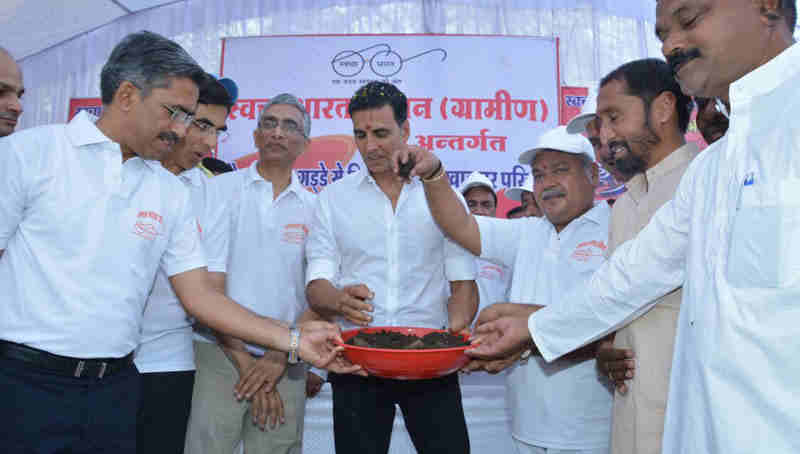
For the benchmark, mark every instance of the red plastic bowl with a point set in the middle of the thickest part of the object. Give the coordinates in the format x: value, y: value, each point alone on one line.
x: 405, y: 364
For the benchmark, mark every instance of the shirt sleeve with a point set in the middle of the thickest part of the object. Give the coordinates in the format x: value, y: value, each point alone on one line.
x: 500, y: 239
x: 12, y: 188
x: 638, y: 273
x: 459, y: 263
x: 322, y: 251
x: 216, y: 226
x: 184, y: 251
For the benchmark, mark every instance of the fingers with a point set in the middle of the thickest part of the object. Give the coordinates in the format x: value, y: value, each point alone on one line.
x: 354, y: 311
x: 250, y: 383
x: 258, y: 411
x: 359, y: 291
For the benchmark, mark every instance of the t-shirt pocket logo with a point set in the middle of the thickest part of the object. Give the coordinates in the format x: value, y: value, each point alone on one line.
x: 149, y: 225
x: 588, y: 249
x: 294, y: 233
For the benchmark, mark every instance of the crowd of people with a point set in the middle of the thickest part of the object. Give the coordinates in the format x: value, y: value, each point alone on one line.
x: 157, y: 300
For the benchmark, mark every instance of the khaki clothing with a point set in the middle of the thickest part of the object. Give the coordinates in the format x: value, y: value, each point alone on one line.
x: 218, y: 422
x: 638, y: 418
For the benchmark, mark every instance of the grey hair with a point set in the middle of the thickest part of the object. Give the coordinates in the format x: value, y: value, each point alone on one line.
x: 289, y: 100
x: 147, y: 60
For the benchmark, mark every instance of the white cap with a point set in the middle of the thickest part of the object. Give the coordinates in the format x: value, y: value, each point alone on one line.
x: 515, y: 193
x: 588, y: 112
x: 559, y: 139
x: 476, y: 179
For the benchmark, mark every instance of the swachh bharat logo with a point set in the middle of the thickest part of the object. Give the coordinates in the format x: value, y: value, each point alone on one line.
x: 381, y: 59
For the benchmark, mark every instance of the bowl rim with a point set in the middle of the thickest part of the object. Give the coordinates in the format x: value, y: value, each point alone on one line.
x: 398, y: 350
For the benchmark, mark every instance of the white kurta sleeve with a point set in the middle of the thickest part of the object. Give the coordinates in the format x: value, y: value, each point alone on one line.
x: 627, y: 285
x: 216, y: 226
x: 500, y: 239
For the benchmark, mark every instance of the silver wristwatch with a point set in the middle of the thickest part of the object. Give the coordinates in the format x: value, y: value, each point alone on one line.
x: 294, y: 345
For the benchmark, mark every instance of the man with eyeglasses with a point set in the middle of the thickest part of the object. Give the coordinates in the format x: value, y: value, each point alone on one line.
x: 165, y: 356
x: 244, y: 391
x: 87, y: 218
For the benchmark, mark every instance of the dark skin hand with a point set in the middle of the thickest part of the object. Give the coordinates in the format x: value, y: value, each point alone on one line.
x: 617, y: 364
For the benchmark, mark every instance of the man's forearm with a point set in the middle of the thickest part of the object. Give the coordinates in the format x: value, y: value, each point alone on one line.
x: 451, y: 216
x: 463, y: 303
x: 322, y: 297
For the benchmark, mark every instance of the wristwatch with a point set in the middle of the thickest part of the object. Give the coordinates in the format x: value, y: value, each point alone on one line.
x: 294, y: 345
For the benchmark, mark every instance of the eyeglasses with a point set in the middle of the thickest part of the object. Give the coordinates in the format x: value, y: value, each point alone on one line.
x: 179, y: 115
x: 289, y: 126
x: 210, y: 129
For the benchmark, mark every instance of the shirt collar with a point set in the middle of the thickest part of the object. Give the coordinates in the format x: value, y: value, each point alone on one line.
x: 253, y: 176
x: 640, y: 183
x: 766, y: 77
x: 598, y: 214
x: 192, y: 176
x: 363, y: 176
x: 82, y: 131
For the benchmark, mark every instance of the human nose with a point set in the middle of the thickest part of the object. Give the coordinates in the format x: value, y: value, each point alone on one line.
x: 15, y: 104
x: 673, y: 43
x: 179, y: 128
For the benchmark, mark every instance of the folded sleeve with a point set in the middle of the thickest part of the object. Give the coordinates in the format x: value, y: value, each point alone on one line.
x: 13, y: 187
x: 322, y: 251
x: 184, y: 250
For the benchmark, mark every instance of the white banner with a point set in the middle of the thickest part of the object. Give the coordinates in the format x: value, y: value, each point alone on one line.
x: 478, y: 101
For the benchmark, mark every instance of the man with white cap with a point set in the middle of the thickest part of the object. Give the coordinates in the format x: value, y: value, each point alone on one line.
x: 524, y: 195
x: 560, y: 405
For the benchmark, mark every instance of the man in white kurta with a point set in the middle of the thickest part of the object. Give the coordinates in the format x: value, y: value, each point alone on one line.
x: 728, y: 236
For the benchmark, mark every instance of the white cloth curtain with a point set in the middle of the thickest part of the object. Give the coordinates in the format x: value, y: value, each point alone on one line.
x: 595, y: 35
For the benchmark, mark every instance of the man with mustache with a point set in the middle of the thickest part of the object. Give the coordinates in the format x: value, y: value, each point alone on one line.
x: 11, y: 91
x: 728, y: 236
x: 165, y: 356
x: 561, y: 406
x: 246, y: 392
x: 87, y: 218
x: 375, y: 257
x: 712, y: 123
x: 642, y: 117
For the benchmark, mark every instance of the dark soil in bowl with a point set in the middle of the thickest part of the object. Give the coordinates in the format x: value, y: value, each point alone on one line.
x: 400, y: 341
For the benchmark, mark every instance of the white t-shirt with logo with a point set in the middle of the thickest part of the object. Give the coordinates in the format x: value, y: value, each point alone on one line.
x: 564, y: 404
x: 265, y: 258
x: 84, y: 234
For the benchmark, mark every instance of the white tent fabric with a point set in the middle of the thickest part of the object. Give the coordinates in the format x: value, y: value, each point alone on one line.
x: 596, y: 35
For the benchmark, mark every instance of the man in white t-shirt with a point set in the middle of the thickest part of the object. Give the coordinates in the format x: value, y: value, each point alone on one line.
x: 87, y: 217
x: 247, y: 392
x: 377, y: 258
x: 561, y: 406
x: 165, y: 356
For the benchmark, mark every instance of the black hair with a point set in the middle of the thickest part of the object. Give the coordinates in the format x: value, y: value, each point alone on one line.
x: 375, y: 95
x: 515, y: 210
x: 147, y: 60
x: 788, y: 10
x: 648, y: 78
x: 212, y: 93
x: 216, y: 166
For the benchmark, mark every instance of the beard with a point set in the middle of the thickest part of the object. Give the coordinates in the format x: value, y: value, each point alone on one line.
x: 632, y: 163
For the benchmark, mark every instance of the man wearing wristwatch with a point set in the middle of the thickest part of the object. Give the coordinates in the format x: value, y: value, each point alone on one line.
x: 244, y: 391
x: 562, y: 405
x: 376, y: 257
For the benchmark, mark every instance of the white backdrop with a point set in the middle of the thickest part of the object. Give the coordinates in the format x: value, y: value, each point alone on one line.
x: 596, y: 35
x: 477, y: 101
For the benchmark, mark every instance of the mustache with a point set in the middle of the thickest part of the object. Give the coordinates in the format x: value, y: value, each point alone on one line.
x: 169, y: 137
x: 9, y: 116
x: 679, y: 58
x: 548, y: 194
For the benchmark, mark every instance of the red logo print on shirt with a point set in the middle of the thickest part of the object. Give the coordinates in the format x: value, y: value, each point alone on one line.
x: 588, y: 249
x: 491, y: 272
x: 294, y: 233
x: 148, y: 225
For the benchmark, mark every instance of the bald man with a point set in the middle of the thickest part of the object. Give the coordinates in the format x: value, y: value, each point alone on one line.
x: 11, y: 90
